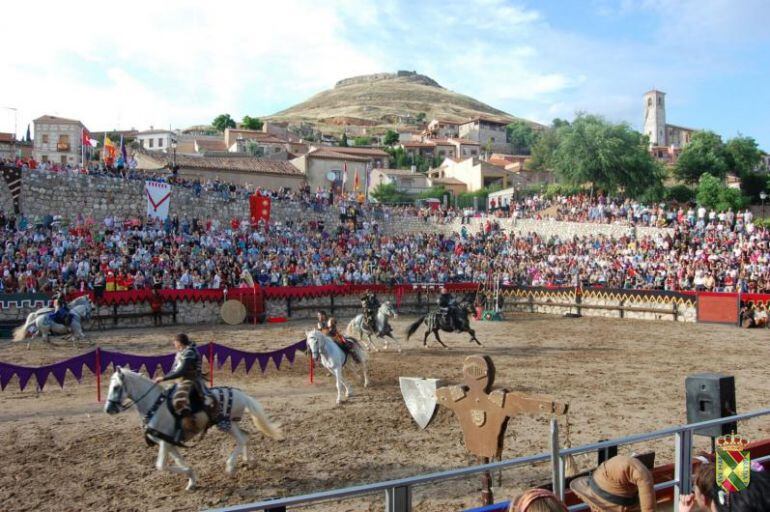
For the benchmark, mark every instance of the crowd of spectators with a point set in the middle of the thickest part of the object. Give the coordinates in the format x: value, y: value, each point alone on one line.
x: 724, y: 253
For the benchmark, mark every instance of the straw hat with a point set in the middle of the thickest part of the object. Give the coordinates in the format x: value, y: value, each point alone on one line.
x: 233, y: 312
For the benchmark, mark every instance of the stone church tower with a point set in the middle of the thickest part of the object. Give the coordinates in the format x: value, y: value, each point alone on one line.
x: 655, y: 117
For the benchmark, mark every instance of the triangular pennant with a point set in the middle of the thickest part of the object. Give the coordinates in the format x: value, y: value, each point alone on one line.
x: 23, y: 378
x: 236, y: 356
x: 5, y: 377
x: 277, y: 357
x: 289, y: 353
x: 250, y: 360
x: 59, y: 372
x: 263, y: 360
x: 41, y: 374
x: 91, y: 362
x: 203, y: 350
x: 77, y: 369
x: 166, y: 363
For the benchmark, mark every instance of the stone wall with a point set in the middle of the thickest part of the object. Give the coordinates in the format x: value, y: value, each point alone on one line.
x: 603, y: 304
x: 46, y: 193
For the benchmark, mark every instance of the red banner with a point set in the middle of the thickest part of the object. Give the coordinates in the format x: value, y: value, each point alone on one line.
x: 259, y: 207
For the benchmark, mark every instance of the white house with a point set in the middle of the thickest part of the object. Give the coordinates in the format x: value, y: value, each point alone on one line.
x: 155, y: 140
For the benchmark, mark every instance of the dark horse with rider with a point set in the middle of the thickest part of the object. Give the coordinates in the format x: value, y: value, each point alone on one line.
x: 451, y: 316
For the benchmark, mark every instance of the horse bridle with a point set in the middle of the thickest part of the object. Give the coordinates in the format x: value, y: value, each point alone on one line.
x: 119, y: 403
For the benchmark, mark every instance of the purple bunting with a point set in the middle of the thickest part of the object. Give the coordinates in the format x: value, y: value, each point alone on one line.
x: 151, y: 363
x: 250, y: 360
x: 277, y: 356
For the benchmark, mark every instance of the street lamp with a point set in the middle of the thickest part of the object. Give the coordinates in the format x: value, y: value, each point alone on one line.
x: 763, y: 196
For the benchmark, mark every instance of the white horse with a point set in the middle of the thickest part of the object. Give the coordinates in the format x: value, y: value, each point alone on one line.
x: 358, y: 328
x: 160, y: 425
x: 334, y: 358
x: 38, y: 322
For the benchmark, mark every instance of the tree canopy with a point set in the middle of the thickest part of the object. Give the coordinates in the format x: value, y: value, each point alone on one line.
x: 252, y: 123
x: 344, y: 140
x: 609, y: 156
x: 705, y: 154
x: 521, y: 137
x: 391, y: 137
x: 223, y: 121
x: 713, y: 193
x: 744, y: 155
x: 362, y: 141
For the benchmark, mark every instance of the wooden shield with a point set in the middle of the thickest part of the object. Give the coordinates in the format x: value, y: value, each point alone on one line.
x: 233, y: 312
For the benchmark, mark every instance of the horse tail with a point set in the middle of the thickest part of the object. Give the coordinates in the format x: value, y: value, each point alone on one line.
x: 21, y: 331
x: 414, y: 326
x: 260, y: 419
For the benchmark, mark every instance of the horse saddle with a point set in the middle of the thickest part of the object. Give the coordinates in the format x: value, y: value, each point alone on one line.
x: 60, y: 317
x: 205, y: 412
x: 348, y: 346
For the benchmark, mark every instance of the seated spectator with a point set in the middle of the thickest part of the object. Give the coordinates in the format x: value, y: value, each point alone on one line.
x: 620, y: 484
x: 708, y: 497
x: 537, y: 500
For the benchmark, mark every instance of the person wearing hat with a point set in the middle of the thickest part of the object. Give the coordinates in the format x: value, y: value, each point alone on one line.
x: 537, y: 500
x: 621, y: 484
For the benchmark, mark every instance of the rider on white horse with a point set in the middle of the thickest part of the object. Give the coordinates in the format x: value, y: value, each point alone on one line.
x: 187, y: 368
x: 61, y: 314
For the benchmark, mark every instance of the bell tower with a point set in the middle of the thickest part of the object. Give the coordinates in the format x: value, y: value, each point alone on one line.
x: 655, y: 117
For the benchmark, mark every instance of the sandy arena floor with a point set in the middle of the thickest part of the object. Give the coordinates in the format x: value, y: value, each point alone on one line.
x: 61, y: 452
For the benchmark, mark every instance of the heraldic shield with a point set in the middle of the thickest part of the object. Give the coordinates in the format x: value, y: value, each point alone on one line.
x: 420, y: 398
x: 733, y: 466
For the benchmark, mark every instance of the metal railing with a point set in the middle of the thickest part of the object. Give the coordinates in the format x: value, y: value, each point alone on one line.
x: 398, y: 492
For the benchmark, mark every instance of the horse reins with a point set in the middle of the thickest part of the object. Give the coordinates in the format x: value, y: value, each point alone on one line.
x: 133, y: 402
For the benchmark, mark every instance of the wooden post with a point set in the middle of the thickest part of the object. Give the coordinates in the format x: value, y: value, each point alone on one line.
x: 622, y: 309
x: 311, y: 368
x: 331, y: 304
x: 486, y: 485
x: 211, y: 364
x: 98, y: 367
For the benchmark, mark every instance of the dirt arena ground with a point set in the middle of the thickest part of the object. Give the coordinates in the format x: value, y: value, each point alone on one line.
x: 60, y: 452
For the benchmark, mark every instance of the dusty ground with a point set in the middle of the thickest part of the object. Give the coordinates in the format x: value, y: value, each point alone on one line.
x: 59, y: 451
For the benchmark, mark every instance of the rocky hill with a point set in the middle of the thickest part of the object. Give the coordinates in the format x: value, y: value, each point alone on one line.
x: 385, y: 99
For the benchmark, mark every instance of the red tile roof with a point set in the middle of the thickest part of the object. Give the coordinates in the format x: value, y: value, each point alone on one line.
x: 58, y: 120
x: 332, y: 154
x: 362, y: 151
x: 228, y: 163
x: 210, y: 145
x: 7, y: 137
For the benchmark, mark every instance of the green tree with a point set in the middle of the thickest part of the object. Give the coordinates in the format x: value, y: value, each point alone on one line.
x: 704, y: 154
x: 421, y: 117
x: 752, y: 184
x: 223, y: 121
x: 344, y: 140
x: 252, y: 123
x: 391, y: 137
x: 679, y: 193
x: 389, y: 194
x: 713, y: 193
x: 362, y: 141
x: 521, y: 136
x: 744, y: 154
x: 544, y: 148
x: 609, y: 156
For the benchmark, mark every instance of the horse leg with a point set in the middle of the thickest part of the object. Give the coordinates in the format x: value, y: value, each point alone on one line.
x: 398, y: 343
x: 365, y: 372
x: 473, y: 336
x: 435, y: 333
x: 425, y: 340
x: 338, y: 376
x: 160, y: 464
x: 240, y: 448
x: 182, y: 467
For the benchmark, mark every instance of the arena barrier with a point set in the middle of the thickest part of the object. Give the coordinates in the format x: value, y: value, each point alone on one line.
x: 98, y: 359
x: 671, y: 480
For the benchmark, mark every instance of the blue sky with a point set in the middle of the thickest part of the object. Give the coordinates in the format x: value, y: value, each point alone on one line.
x: 177, y: 63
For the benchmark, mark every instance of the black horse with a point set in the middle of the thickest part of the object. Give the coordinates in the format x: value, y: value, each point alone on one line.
x: 456, y: 320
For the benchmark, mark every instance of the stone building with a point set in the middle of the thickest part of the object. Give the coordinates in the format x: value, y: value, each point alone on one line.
x: 411, y: 182
x: 443, y: 129
x: 242, y: 170
x: 485, y: 131
x: 58, y: 140
x: 666, y: 140
x: 155, y: 140
x: 322, y: 163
